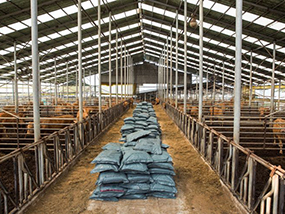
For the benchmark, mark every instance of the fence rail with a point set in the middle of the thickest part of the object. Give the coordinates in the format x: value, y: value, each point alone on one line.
x: 239, y: 168
x: 25, y: 172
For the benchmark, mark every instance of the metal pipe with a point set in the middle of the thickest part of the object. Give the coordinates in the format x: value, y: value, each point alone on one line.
x: 223, y: 83
x: 99, y: 54
x: 214, y: 86
x: 90, y: 90
x: 76, y: 84
x: 176, y: 62
x: 110, y: 80
x: 79, y: 20
x: 185, y: 54
x: 125, y: 71
x: 167, y: 69
x: 16, y: 80
x: 201, y: 17
x: 279, y: 92
x: 171, y: 87
x: 237, y: 89
x: 84, y: 84
x: 127, y: 77
x: 67, y: 87
x: 116, y: 66
x: 55, y: 83
x: 250, y: 80
x: 272, y: 79
x: 207, y: 83
x: 36, y: 92
x: 121, y: 69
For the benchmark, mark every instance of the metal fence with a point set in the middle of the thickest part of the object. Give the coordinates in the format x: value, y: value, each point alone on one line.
x: 25, y: 172
x: 257, y: 184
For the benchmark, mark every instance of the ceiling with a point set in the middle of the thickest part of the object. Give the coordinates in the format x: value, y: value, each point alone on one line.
x: 143, y: 27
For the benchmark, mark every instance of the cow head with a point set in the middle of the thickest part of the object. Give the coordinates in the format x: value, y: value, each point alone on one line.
x: 30, y: 128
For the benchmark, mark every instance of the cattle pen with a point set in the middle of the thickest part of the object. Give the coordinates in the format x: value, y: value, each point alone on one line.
x: 195, y: 87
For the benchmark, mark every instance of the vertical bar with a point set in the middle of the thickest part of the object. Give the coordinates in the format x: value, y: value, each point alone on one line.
x: 223, y: 83
x: 99, y: 54
x: 121, y: 62
x: 79, y: 20
x: 36, y: 92
x: 185, y: 54
x: 237, y: 88
x: 116, y: 66
x: 176, y: 62
x: 94, y: 85
x: 125, y: 71
x: 170, y: 88
x: 84, y: 83
x: 16, y: 80
x: 272, y: 79
x: 76, y: 84
x: 207, y: 83
x: 279, y: 92
x: 90, y: 90
x: 201, y: 17
x: 67, y: 86
x: 55, y: 84
x: 127, y: 76
x: 250, y: 80
x: 214, y: 86
x: 110, y: 80
x: 167, y: 69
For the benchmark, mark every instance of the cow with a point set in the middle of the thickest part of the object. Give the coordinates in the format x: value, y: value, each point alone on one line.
x: 194, y: 111
x: 57, y: 123
x: 8, y: 122
x: 279, y: 131
x: 157, y: 101
x: 215, y: 111
x: 263, y: 111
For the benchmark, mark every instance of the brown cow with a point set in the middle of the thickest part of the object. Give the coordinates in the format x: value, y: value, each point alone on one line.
x: 59, y: 123
x: 7, y: 121
x: 194, y: 111
x: 263, y: 111
x: 157, y: 101
x: 278, y: 132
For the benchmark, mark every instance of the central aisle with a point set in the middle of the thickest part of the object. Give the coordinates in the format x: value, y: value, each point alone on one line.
x: 199, y: 189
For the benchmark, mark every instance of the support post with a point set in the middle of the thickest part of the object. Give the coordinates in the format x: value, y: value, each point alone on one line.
x: 76, y: 85
x: 279, y: 93
x: 201, y: 17
x: 223, y: 83
x: 110, y: 77
x: 167, y: 70
x: 55, y: 83
x: 207, y: 83
x: 121, y: 69
x: 237, y: 90
x: 116, y: 66
x: 16, y: 80
x: 125, y: 71
x: 99, y: 55
x: 214, y: 86
x: 171, y: 87
x: 176, y: 62
x: 250, y: 81
x: 185, y: 54
x: 67, y: 85
x: 36, y: 91
x: 79, y: 20
x: 272, y: 79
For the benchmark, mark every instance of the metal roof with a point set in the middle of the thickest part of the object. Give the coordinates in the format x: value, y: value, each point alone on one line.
x: 143, y: 27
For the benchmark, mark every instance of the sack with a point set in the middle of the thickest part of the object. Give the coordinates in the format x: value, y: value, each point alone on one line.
x: 162, y: 195
x: 136, y: 135
x: 134, y: 196
x: 109, y: 156
x: 131, y: 143
x: 161, y: 171
x: 135, y: 156
x: 163, y: 179
x: 105, y: 191
x: 136, y: 188
x: 139, y: 178
x: 112, y: 177
x: 103, y: 167
x: 149, y: 145
x: 129, y: 119
x: 134, y: 168
x: 155, y: 187
x: 163, y: 158
x: 127, y: 127
x: 161, y: 165
x: 164, y: 146
x: 112, y: 146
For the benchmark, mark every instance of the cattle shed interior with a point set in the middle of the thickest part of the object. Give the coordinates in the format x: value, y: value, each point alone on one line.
x: 72, y: 72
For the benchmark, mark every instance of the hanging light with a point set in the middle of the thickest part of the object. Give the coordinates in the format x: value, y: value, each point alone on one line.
x: 193, y: 22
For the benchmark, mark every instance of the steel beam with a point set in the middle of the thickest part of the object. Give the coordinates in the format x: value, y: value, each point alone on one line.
x: 99, y: 55
x: 185, y: 55
x: 79, y: 19
x: 201, y: 16
x: 16, y: 80
x: 110, y: 77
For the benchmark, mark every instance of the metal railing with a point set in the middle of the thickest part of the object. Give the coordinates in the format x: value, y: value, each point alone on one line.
x: 25, y: 172
x: 243, y: 172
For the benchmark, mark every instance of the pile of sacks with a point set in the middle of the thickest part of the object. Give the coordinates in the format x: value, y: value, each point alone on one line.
x: 138, y: 168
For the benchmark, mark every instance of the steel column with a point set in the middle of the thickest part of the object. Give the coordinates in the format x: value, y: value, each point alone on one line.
x: 176, y: 61
x: 223, y: 83
x: 250, y: 80
x: 99, y: 54
x: 167, y: 70
x: 90, y: 90
x: 279, y: 92
x: 207, y: 83
x: 121, y: 69
x: 171, y: 87
x: 76, y: 84
x: 16, y: 80
x: 237, y: 89
x: 201, y: 17
x: 67, y: 86
x: 185, y: 54
x: 55, y: 83
x: 110, y: 80
x: 125, y: 71
x: 36, y: 91
x: 79, y: 20
x: 116, y: 66
x: 214, y: 86
x: 272, y: 79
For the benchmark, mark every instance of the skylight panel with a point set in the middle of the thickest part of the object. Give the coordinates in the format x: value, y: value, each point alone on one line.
x: 18, y: 26
x: 249, y: 16
x: 263, y: 21
x: 277, y: 26
x: 130, y: 13
x: 220, y: 8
